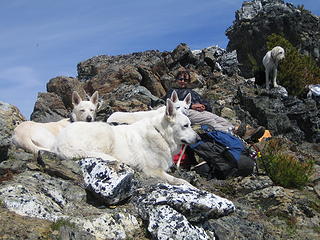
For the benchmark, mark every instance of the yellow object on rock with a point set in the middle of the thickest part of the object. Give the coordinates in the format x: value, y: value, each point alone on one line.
x: 265, y: 136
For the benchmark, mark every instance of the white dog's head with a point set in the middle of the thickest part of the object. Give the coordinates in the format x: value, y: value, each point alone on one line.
x: 277, y: 53
x: 182, y: 106
x: 180, y: 125
x: 84, y: 110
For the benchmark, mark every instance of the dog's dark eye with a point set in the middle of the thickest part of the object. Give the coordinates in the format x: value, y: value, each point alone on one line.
x: 186, y: 125
x: 82, y: 110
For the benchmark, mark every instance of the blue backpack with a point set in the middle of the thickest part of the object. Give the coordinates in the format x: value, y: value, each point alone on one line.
x: 226, y: 155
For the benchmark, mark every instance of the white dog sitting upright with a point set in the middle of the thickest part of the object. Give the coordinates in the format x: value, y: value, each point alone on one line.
x: 148, y: 144
x: 34, y: 136
x: 132, y: 117
x: 270, y: 62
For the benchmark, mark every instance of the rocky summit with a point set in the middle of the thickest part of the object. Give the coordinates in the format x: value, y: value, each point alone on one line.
x: 44, y: 197
x: 258, y: 19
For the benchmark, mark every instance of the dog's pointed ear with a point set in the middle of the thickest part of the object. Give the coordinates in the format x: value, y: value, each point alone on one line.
x: 187, y: 99
x: 94, y: 98
x: 170, y: 109
x: 273, y: 53
x: 174, y: 96
x: 76, y: 99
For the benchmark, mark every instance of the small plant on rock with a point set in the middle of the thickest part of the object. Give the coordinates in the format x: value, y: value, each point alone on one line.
x: 61, y: 222
x: 284, y: 168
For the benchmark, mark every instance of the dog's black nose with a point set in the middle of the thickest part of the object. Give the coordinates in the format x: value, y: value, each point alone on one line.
x: 89, y: 119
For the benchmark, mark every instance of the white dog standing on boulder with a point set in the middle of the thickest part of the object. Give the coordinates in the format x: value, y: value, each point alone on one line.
x: 34, y: 136
x: 147, y: 145
x: 270, y: 62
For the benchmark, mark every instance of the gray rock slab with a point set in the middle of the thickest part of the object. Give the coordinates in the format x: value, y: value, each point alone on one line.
x: 108, y: 180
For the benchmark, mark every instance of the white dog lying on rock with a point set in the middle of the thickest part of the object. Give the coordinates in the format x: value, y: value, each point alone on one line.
x: 35, y: 136
x: 148, y: 144
x: 270, y: 62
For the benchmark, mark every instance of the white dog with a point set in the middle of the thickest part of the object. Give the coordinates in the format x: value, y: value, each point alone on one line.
x: 132, y: 117
x: 148, y: 144
x: 34, y: 136
x: 270, y: 62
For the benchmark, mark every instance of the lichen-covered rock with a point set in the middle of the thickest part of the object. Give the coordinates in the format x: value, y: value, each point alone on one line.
x: 10, y: 117
x: 63, y: 87
x: 171, y: 210
x: 14, y: 226
x: 243, y: 224
x: 110, y: 181
x: 66, y: 169
x: 194, y: 203
x: 279, y: 92
x: 119, y: 226
x: 229, y: 63
x: 167, y: 223
x: 104, y: 73
x: 48, y: 108
x: 36, y: 194
x: 219, y: 59
x: 17, y: 160
x: 127, y: 98
x: 275, y: 197
x: 250, y: 184
x: 295, y: 118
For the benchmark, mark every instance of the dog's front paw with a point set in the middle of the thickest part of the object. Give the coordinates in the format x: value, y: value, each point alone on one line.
x: 180, y: 181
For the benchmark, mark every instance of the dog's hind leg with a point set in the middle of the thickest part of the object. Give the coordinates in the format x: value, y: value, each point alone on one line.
x: 41, y: 139
x: 36, y: 147
x: 267, y: 78
x: 274, y: 80
x: 28, y: 145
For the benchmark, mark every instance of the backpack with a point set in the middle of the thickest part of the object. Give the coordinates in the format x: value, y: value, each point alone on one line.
x: 225, y: 154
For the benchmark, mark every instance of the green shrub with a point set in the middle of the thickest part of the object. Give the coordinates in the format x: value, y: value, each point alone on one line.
x: 302, y: 9
x: 61, y: 222
x: 296, y: 71
x: 283, y: 168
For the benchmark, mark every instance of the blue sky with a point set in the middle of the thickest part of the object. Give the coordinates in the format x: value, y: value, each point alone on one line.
x: 42, y: 39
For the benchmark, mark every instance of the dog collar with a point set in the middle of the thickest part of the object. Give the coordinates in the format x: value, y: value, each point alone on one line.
x: 161, y: 135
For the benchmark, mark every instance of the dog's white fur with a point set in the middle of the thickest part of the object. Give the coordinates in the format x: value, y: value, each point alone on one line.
x: 132, y: 117
x: 34, y: 136
x: 148, y: 144
x: 270, y: 62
